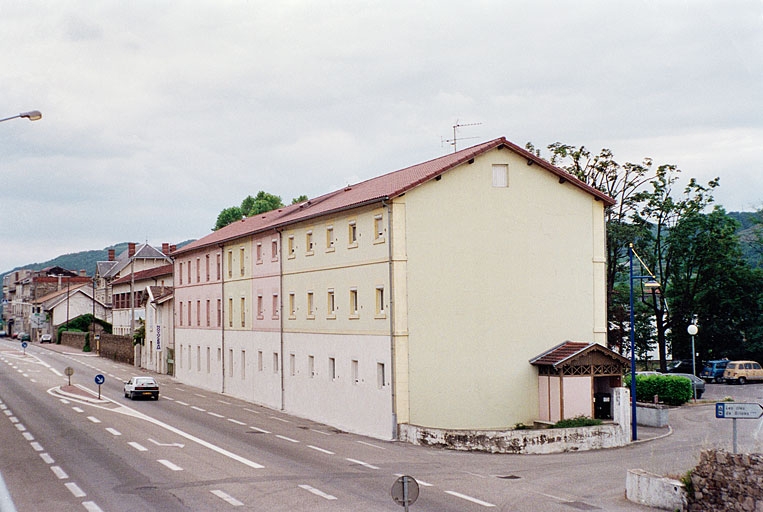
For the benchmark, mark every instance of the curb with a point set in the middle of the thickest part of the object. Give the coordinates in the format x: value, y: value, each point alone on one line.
x: 85, y: 395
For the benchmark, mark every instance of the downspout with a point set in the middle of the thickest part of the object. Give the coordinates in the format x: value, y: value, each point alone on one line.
x: 393, y: 397
x: 222, y: 315
x: 280, y: 317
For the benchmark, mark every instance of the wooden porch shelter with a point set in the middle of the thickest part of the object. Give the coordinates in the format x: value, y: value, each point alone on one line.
x: 576, y: 379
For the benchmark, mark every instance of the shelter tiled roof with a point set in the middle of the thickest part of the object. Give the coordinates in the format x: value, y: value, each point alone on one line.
x: 565, y: 352
x: 150, y: 273
x: 377, y: 189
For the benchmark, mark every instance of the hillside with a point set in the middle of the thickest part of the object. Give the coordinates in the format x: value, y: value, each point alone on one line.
x: 84, y: 260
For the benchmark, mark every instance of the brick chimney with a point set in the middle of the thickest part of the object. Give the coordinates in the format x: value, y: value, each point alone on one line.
x: 130, y: 249
x: 173, y: 248
x: 112, y: 255
x: 166, y: 249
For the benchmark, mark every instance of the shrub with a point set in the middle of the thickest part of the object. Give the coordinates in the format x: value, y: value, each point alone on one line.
x: 577, y: 421
x: 670, y: 389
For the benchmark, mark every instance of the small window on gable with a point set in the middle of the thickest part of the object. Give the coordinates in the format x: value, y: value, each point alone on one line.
x: 291, y: 246
x: 501, y: 175
x: 309, y: 243
x: 378, y: 228
x: 274, y: 250
x: 329, y: 238
x: 259, y: 252
x: 352, y: 234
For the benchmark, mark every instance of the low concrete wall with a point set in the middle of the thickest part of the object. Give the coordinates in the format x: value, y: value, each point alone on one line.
x: 654, y: 490
x: 533, y: 441
x: 724, y: 481
x: 652, y: 415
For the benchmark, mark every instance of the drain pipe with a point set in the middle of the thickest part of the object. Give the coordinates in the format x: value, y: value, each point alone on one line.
x: 280, y: 316
x: 222, y: 316
x: 388, y: 207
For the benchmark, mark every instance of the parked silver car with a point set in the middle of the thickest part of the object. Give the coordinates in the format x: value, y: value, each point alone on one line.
x: 697, y: 383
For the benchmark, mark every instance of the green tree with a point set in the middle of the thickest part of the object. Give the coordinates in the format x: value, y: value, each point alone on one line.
x: 715, y: 285
x: 300, y: 199
x: 228, y: 216
x: 261, y: 203
x: 660, y: 211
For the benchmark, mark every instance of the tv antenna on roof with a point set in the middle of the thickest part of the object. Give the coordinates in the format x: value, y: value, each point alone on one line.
x: 455, y: 138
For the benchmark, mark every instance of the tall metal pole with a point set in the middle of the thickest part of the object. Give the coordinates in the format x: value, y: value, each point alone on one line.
x: 634, y: 427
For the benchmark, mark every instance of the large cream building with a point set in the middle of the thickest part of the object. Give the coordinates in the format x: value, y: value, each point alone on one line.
x: 417, y: 297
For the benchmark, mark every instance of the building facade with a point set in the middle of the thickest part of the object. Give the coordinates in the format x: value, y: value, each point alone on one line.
x: 414, y: 298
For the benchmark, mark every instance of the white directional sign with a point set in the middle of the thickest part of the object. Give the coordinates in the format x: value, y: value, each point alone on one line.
x: 734, y: 410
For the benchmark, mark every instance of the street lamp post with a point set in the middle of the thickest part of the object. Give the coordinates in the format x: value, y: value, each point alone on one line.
x: 32, y: 115
x: 654, y: 286
x: 693, y: 330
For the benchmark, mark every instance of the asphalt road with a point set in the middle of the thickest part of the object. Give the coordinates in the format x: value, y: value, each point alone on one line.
x: 197, y: 450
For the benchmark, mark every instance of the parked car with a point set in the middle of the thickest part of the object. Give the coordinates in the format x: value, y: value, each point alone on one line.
x: 681, y: 366
x: 713, y: 370
x: 141, y: 386
x: 697, y: 384
x: 46, y: 338
x: 3, y: 334
x: 742, y: 371
x: 24, y: 336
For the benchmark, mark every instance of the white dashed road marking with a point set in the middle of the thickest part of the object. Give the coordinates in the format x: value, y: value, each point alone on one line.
x: 317, y: 492
x: 227, y: 497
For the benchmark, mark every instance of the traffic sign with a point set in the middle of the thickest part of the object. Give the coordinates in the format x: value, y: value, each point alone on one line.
x: 751, y: 411
x: 100, y: 379
x: 405, y: 491
x: 24, y: 344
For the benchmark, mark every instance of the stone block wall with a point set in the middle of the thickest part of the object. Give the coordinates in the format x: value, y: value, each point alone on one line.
x: 727, y: 482
x: 118, y: 348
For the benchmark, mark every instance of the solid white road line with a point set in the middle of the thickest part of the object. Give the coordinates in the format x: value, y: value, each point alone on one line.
x: 469, y: 498
x: 317, y: 492
x: 169, y: 464
x: 75, y: 490
x: 227, y: 497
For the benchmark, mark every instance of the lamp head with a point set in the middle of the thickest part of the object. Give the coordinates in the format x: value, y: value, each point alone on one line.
x: 692, y: 329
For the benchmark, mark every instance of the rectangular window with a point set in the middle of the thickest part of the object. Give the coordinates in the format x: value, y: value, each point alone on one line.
x: 230, y: 312
x: 243, y: 364
x: 259, y: 360
x: 380, y: 375
x: 353, y: 303
x: 330, y: 306
x: 198, y: 358
x: 309, y: 243
x: 290, y: 246
x: 292, y: 365
x: 208, y: 312
x: 330, y: 239
x: 274, y: 250
x: 206, y: 268
x: 275, y: 362
x: 209, y: 363
x: 352, y: 234
x: 311, y: 366
x: 189, y: 314
x: 501, y: 175
x: 292, y: 306
x: 355, y: 376
x: 180, y: 312
x: 380, y: 301
x: 198, y: 313
x: 260, y: 308
x: 180, y: 273
x: 219, y: 267
x: 332, y: 368
x: 378, y: 228
x: 230, y: 362
x: 198, y: 270
x: 189, y: 271
x: 310, y: 310
x: 219, y: 312
x: 259, y: 252
x: 230, y: 263
x: 276, y: 306
x: 243, y: 312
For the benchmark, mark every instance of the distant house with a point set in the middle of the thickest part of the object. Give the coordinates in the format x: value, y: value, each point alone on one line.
x: 58, y: 308
x: 158, y: 350
x: 137, y: 257
x: 128, y: 301
x: 416, y: 298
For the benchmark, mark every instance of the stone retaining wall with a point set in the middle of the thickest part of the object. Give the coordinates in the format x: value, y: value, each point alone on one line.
x: 112, y: 346
x: 727, y: 482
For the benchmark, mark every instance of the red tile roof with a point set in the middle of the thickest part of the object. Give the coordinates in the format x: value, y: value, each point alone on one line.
x: 164, y: 270
x: 560, y: 353
x: 375, y: 190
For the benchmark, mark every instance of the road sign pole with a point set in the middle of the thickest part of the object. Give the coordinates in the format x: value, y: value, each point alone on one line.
x: 734, y: 420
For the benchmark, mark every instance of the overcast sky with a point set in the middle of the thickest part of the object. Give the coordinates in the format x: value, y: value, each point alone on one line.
x: 157, y: 115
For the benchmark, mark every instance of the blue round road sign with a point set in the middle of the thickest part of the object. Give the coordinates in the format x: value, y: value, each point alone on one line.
x: 100, y: 379
x: 24, y: 344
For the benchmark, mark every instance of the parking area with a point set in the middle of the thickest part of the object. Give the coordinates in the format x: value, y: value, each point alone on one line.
x: 750, y: 392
